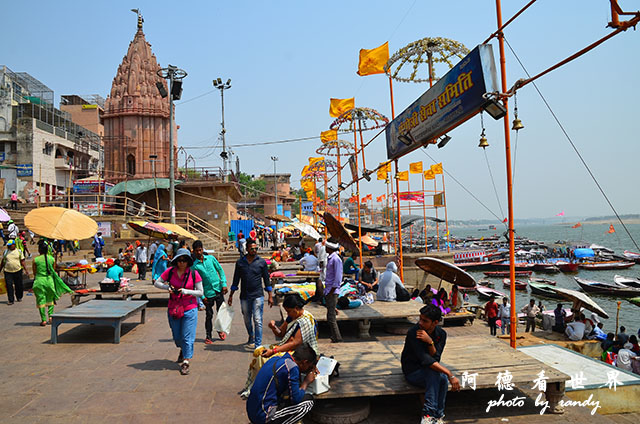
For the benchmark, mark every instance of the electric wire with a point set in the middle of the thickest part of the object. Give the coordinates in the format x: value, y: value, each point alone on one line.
x: 584, y: 163
x: 194, y: 98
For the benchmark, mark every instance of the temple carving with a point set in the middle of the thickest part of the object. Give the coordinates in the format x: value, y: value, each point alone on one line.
x: 136, y: 118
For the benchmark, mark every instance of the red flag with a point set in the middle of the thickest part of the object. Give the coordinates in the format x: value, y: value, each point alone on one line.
x: 353, y: 199
x: 611, y: 229
x: 578, y: 225
x: 505, y: 220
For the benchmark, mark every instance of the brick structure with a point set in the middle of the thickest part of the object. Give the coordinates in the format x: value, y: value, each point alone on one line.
x: 136, y: 117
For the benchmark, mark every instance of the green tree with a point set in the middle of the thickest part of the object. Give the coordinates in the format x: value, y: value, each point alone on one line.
x: 249, y: 186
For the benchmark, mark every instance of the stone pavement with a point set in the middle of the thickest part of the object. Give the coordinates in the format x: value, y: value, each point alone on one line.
x: 86, y: 378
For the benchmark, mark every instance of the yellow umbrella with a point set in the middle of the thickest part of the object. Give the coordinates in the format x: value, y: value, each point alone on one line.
x: 152, y: 229
x: 181, y: 232
x: 60, y: 223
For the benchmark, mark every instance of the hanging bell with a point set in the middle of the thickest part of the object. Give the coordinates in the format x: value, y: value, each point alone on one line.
x: 517, y: 124
x: 483, y: 142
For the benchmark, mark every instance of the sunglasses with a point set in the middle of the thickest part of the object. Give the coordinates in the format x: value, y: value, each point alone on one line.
x: 182, y: 259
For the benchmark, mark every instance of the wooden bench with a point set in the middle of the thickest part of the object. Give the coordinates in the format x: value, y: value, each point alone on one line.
x: 382, y: 311
x: 142, y: 290
x: 99, y: 312
x: 373, y: 368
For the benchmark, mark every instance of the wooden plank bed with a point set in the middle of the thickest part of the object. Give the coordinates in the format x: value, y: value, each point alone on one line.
x: 383, y: 311
x: 98, y: 312
x: 374, y: 369
x: 140, y: 290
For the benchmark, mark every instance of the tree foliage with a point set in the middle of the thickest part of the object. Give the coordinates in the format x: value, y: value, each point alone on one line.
x: 250, y: 186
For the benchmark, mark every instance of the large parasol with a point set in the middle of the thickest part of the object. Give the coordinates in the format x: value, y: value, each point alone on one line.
x: 177, y: 229
x: 152, y: 229
x: 339, y: 232
x: 4, y: 215
x: 60, y: 223
x: 580, y: 299
x: 306, y: 229
x: 278, y: 218
x: 446, y: 271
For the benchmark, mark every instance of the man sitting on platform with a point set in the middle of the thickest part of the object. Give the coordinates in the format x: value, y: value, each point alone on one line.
x: 420, y: 358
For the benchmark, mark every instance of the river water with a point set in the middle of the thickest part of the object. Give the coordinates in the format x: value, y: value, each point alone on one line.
x: 589, y: 233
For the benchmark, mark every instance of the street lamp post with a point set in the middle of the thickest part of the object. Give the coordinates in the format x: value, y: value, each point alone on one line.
x: 275, y: 183
x: 175, y: 76
x: 217, y: 83
x: 153, y: 159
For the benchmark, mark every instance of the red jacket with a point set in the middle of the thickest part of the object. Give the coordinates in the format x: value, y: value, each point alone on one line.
x: 491, y: 309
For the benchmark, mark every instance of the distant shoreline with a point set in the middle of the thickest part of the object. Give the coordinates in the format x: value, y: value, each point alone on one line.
x: 603, y: 222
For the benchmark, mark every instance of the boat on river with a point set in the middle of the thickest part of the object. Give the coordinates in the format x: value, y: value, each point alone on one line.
x: 632, y: 256
x: 543, y: 281
x: 565, y: 266
x: 611, y: 289
x: 487, y: 292
x: 520, y: 285
x: 627, y: 281
x: 606, y: 265
x: 506, y: 273
x: 545, y: 267
x: 635, y: 301
x: 544, y: 290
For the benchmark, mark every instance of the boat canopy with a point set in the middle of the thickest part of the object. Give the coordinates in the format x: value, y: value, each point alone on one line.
x: 584, y: 253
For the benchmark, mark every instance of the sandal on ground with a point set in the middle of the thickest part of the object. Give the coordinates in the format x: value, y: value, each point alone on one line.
x: 184, y: 368
x: 222, y: 335
x: 43, y: 323
x: 208, y: 341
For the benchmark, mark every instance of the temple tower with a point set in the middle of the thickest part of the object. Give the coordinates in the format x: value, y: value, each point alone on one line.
x: 136, y: 117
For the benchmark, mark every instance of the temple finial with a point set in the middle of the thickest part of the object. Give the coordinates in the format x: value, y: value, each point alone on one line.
x: 140, y: 18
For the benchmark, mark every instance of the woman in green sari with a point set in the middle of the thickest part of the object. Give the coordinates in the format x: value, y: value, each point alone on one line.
x: 47, y: 286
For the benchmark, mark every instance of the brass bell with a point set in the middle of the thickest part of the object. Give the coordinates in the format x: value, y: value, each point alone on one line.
x: 517, y: 124
x: 483, y: 142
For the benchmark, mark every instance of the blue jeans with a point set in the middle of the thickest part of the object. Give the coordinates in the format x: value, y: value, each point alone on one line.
x: 184, y: 331
x: 252, y: 314
x: 436, y: 386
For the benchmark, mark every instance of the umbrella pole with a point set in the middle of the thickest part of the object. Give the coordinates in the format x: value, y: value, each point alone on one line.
x: 424, y: 215
x: 339, y: 176
x: 399, y: 251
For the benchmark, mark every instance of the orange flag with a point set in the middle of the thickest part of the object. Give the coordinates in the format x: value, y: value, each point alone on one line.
x: 367, y: 198
x: 611, y: 229
x: 403, y: 176
x: 339, y: 106
x: 383, y: 171
x: 305, y: 170
x: 329, y: 135
x: 429, y: 174
x: 372, y: 61
x: 353, y: 199
x: 415, y: 168
x: 381, y: 198
x: 437, y: 168
x: 578, y: 225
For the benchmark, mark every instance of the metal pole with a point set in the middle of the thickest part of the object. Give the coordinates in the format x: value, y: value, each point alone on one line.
x: 399, y: 251
x: 446, y: 218
x: 172, y: 182
x: 507, y: 145
x: 224, y: 142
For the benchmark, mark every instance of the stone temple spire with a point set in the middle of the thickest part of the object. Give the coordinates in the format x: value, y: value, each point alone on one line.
x: 136, y: 116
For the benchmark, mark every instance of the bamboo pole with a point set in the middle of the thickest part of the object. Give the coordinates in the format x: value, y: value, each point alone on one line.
x: 424, y: 214
x: 435, y: 191
x: 69, y: 189
x: 355, y: 145
x: 39, y: 184
x: 409, y: 205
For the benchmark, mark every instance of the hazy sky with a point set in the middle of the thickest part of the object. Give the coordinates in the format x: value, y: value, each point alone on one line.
x: 287, y: 58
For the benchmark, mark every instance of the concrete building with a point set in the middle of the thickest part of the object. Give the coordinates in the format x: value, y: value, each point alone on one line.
x: 136, y: 117
x: 44, y: 150
x: 85, y: 110
x: 282, y: 184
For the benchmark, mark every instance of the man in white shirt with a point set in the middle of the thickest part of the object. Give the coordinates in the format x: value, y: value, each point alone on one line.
x: 504, y: 313
x: 575, y: 330
x: 625, y: 356
x: 141, y: 260
x: 309, y: 262
x: 320, y: 251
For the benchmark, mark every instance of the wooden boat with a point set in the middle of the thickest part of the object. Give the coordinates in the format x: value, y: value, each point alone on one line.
x: 544, y: 290
x: 520, y: 266
x: 627, y: 281
x: 612, y: 289
x: 473, y: 266
x: 632, y: 256
x: 635, y: 301
x: 567, y: 266
x: 545, y: 267
x: 608, y: 265
x: 506, y: 273
x: 486, y: 283
x: 520, y: 285
x: 543, y: 281
x: 487, y: 292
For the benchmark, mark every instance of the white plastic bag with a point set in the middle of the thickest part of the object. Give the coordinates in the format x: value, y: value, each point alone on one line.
x: 224, y: 318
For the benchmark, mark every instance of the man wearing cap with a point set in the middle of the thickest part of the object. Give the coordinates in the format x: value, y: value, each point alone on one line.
x: 115, y: 271
x: 13, y: 264
x: 141, y: 260
x: 332, y: 287
x: 251, y: 272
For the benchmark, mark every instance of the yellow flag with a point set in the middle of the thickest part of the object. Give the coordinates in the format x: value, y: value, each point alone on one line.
x: 437, y: 168
x: 320, y: 166
x: 307, y: 185
x: 329, y: 135
x: 339, y: 106
x: 415, y: 168
x: 309, y: 195
x: 403, y: 176
x: 373, y: 61
x: 305, y: 170
x: 382, y: 173
x: 429, y: 174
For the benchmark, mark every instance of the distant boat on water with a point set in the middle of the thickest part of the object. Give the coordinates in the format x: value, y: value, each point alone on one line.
x: 506, y: 273
x: 520, y: 285
x: 607, y: 265
x: 612, y: 289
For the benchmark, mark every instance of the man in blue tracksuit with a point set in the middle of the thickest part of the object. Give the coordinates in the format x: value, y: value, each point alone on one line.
x: 277, y: 396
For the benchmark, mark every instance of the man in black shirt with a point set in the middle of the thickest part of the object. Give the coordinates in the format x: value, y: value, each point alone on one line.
x: 421, y: 363
x: 369, y: 277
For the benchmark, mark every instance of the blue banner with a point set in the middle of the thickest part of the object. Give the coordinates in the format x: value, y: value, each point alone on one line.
x: 456, y: 97
x: 25, y: 170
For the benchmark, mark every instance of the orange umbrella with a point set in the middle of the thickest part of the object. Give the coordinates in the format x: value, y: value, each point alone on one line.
x: 60, y: 223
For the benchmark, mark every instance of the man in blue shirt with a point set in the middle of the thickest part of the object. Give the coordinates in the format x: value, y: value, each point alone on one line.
x: 214, y: 283
x: 115, y: 271
x: 333, y: 279
x: 277, y: 396
x: 251, y: 272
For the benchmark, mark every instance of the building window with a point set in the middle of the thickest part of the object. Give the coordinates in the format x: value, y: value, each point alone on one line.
x: 48, y: 148
x: 131, y: 165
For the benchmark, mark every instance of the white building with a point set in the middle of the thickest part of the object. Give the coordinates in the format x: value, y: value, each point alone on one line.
x: 40, y: 147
